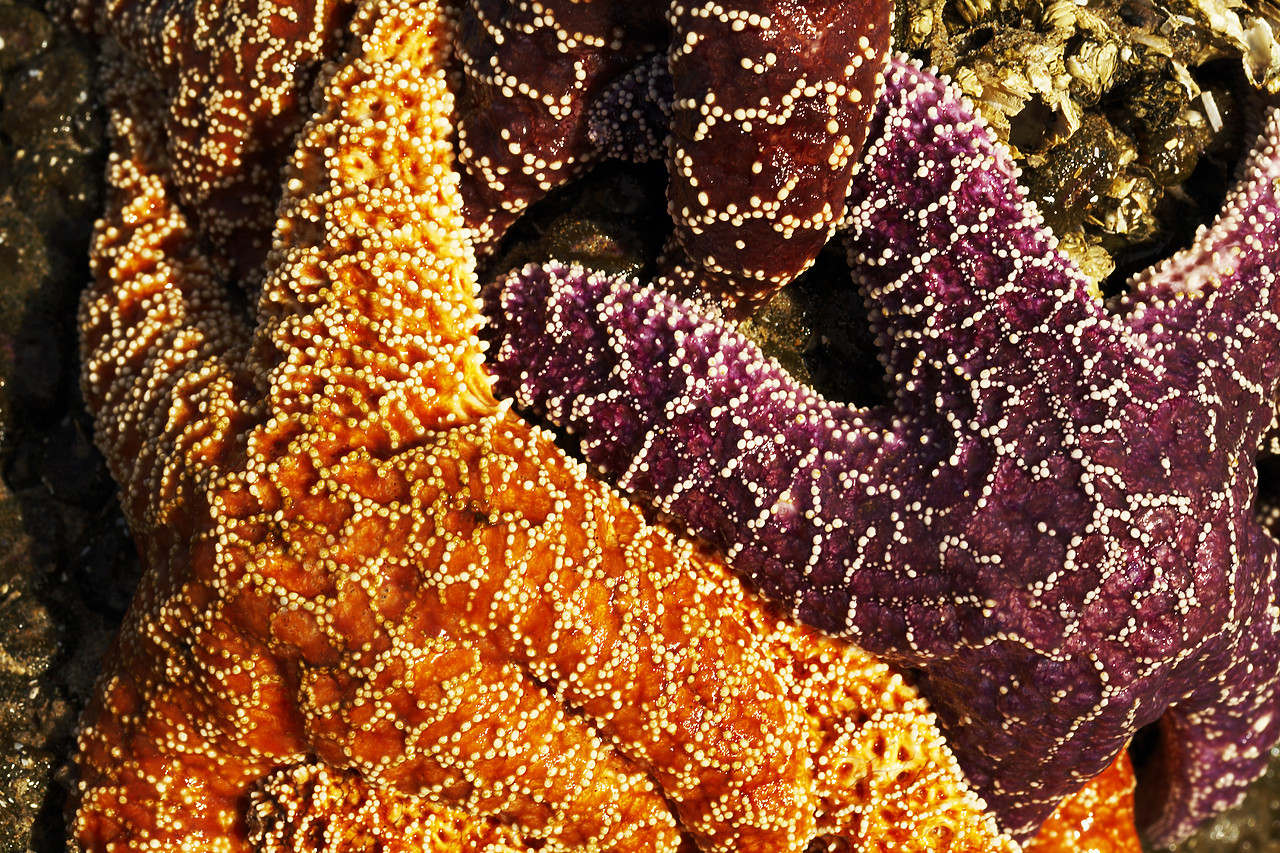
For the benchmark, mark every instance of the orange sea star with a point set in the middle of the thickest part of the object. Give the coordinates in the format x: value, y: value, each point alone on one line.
x: 358, y: 561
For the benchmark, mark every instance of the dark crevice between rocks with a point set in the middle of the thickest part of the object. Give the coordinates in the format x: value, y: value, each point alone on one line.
x: 60, y: 529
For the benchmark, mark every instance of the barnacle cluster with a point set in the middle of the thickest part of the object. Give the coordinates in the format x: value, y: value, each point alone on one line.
x: 1125, y: 115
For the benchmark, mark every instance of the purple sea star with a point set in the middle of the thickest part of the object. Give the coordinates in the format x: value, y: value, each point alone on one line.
x: 1053, y: 520
x: 770, y: 106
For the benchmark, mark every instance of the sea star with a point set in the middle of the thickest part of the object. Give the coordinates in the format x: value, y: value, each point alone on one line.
x: 1096, y: 819
x: 1053, y: 519
x: 770, y: 107
x: 357, y: 560
x: 242, y: 82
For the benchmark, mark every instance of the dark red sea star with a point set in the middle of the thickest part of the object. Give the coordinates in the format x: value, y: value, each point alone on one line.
x: 769, y: 114
x: 1053, y: 519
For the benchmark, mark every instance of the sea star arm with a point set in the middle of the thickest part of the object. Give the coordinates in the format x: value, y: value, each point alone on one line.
x: 1218, y: 300
x: 1098, y: 817
x: 236, y: 83
x: 161, y: 340
x: 965, y: 288
x: 770, y: 109
x: 531, y: 71
x: 769, y: 113
x: 1156, y: 412
x: 1215, y: 741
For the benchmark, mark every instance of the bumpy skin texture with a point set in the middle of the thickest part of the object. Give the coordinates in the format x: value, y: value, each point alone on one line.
x: 531, y: 71
x: 770, y: 106
x: 357, y: 560
x: 1096, y: 819
x: 313, y: 808
x: 1054, y: 518
x: 239, y: 84
x: 771, y: 103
